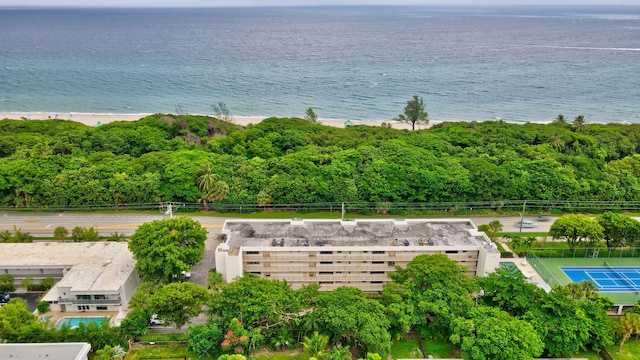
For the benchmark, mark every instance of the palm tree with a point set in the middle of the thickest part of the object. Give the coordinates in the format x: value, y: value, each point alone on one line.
x: 579, y: 123
x: 315, y: 345
x: 560, y: 119
x: 556, y: 142
x: 589, y: 289
x: 207, y: 179
x: 210, y: 185
x: 629, y: 324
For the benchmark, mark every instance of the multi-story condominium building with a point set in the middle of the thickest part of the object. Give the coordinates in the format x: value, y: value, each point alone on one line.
x: 358, y: 253
x: 90, y: 276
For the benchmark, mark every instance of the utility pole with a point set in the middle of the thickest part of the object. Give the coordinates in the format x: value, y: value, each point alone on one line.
x: 522, y: 215
x: 169, y: 212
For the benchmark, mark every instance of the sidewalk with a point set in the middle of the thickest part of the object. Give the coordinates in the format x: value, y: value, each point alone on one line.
x: 527, y: 270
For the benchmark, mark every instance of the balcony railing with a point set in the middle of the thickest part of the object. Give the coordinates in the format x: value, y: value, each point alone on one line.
x: 91, y: 301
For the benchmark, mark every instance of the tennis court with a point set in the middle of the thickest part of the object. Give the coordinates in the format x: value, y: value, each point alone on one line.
x: 623, y: 287
x: 607, y: 278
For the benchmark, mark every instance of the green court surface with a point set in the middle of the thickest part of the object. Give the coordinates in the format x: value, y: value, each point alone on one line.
x: 550, y: 270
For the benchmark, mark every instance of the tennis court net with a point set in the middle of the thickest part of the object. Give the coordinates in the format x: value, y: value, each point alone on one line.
x: 621, y: 276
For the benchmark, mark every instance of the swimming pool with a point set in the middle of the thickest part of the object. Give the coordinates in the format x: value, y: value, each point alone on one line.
x: 74, y: 322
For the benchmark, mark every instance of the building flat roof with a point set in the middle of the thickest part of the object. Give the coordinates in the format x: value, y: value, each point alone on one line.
x: 94, y: 266
x: 361, y: 232
x: 58, y: 351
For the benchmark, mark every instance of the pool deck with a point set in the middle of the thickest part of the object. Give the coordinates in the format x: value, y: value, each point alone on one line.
x: 526, y: 269
x: 57, y: 315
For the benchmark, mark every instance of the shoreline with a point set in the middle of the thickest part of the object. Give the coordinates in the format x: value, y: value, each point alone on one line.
x: 94, y: 119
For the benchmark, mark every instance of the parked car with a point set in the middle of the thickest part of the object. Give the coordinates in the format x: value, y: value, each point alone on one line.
x: 527, y: 224
x: 186, y: 275
x: 5, y: 297
x: 155, y: 320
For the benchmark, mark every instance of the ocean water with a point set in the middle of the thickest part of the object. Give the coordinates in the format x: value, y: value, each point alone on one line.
x: 514, y: 63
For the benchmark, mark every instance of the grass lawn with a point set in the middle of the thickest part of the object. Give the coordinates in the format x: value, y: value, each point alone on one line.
x: 295, y: 355
x: 441, y: 349
x: 159, y: 338
x: 537, y: 234
x: 164, y: 351
x: 630, y: 350
x: 591, y: 355
x: 406, y: 349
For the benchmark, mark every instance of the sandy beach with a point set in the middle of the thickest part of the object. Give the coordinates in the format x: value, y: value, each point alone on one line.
x: 93, y: 119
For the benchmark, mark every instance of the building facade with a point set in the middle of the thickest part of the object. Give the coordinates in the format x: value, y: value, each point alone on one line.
x: 90, y: 276
x: 358, y: 253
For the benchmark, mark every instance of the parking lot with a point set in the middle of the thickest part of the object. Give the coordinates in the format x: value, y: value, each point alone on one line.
x: 30, y: 297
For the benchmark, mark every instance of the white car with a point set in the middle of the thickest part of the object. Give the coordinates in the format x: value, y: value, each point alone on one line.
x: 186, y: 275
x: 155, y: 320
x: 527, y: 224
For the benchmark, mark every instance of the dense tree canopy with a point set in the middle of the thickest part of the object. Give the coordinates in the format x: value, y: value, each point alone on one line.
x: 348, y: 317
x: 576, y: 229
x: 165, y: 248
x: 568, y: 326
x: 178, y: 302
x: 258, y: 302
x: 428, y: 295
x: 619, y: 229
x: 489, y: 333
x: 161, y: 157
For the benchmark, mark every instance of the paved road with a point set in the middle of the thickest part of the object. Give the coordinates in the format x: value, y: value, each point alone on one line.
x: 43, y: 224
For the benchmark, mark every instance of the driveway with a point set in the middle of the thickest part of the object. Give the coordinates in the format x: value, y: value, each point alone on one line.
x: 200, y: 271
x: 30, y: 297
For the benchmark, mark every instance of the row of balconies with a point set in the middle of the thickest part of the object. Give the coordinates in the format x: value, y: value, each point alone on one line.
x: 354, y: 256
x: 90, y: 301
x: 311, y: 266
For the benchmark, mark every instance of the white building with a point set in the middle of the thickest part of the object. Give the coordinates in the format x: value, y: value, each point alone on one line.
x: 359, y: 253
x: 90, y: 276
x: 53, y: 351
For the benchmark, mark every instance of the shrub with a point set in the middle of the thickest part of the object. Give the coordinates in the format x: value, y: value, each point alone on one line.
x: 43, y: 307
x: 80, y: 234
x: 60, y: 233
x: 27, y: 283
x: 6, y: 283
x: 134, y: 326
x: 47, y: 283
x: 76, y: 234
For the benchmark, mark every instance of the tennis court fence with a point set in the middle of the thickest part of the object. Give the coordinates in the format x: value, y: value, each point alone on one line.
x: 544, y: 272
x: 586, y: 253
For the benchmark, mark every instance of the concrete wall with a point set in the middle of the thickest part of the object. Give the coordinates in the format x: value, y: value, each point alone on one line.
x: 128, y: 288
x: 227, y: 265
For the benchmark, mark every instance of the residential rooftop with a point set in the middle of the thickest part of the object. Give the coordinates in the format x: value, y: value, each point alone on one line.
x: 93, y: 266
x: 361, y: 232
x: 57, y: 351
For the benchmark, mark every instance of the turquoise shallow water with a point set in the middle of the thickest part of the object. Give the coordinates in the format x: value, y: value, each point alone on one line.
x: 514, y: 63
x: 76, y: 321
